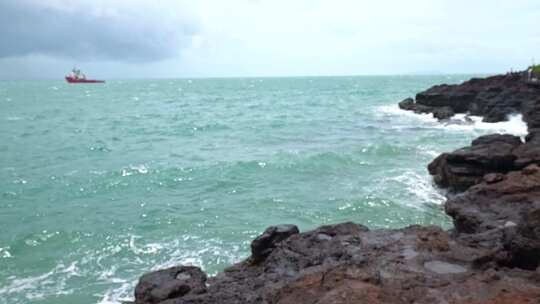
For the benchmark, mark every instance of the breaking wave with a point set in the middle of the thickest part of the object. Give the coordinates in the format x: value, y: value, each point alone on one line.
x: 420, y: 188
x: 460, y: 122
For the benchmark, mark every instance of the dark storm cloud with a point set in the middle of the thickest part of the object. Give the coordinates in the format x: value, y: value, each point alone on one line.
x: 129, y: 34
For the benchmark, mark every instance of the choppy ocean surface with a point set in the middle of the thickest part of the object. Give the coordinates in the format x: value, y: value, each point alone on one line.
x: 101, y: 183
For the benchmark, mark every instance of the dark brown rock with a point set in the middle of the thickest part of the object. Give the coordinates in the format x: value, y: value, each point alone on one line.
x: 467, y: 166
x: 354, y: 265
x: 170, y: 283
x: 263, y: 245
x: 489, y: 206
x: 407, y: 104
x: 494, y: 98
x: 441, y: 113
x: 523, y: 240
x: 492, y: 178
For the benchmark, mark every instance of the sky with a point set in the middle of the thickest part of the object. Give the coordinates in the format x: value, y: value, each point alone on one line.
x: 260, y: 38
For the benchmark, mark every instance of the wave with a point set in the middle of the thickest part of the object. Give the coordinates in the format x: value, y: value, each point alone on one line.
x: 118, y: 264
x: 177, y: 252
x: 460, y: 122
x: 394, y: 110
x: 49, y: 284
x: 420, y: 187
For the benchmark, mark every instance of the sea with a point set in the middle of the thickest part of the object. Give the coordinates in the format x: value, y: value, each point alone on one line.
x: 101, y: 183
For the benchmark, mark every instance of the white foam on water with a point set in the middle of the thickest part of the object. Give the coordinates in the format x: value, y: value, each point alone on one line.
x: 118, y: 295
x: 461, y: 122
x: 38, y: 287
x: 152, y: 248
x: 132, y: 169
x: 394, y: 110
x: 429, y: 151
x: 14, y: 118
x: 420, y: 186
x: 4, y: 253
x: 177, y: 252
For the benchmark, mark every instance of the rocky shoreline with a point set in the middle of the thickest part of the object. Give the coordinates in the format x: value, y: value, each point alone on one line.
x: 491, y: 256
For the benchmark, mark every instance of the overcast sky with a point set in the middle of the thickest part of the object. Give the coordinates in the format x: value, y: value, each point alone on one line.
x: 205, y: 38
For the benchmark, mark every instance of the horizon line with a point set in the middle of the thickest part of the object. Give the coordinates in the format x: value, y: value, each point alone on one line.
x: 259, y: 77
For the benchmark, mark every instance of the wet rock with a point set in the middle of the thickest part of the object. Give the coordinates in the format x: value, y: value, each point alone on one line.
x: 446, y: 96
x: 467, y: 166
x: 170, y: 283
x: 526, y: 154
x: 410, y: 265
x: 491, y: 205
x: 443, y: 113
x: 407, y: 104
x: 523, y: 240
x: 266, y: 242
x: 494, y: 98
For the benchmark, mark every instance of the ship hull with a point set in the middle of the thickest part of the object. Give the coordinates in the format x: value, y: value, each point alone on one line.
x: 76, y: 80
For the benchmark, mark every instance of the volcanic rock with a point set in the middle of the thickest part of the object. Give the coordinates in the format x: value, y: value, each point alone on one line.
x: 266, y: 242
x: 494, y: 98
x: 467, y: 166
x: 355, y: 265
x: 170, y: 283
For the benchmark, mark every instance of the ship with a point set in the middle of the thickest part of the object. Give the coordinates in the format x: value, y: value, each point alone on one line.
x: 77, y: 77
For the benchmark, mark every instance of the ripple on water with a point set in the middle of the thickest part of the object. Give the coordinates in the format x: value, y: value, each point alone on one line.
x: 117, y: 264
x: 215, y: 159
x: 38, y: 287
x: 14, y: 118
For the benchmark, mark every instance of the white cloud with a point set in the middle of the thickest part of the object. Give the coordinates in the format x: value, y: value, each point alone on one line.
x: 320, y: 37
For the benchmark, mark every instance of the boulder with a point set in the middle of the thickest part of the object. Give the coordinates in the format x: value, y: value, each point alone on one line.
x: 494, y: 98
x: 467, y: 166
x: 171, y: 283
x: 407, y: 104
x: 263, y: 245
x: 491, y: 205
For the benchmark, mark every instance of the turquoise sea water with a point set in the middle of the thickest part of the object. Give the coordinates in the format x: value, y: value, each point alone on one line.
x: 101, y: 183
